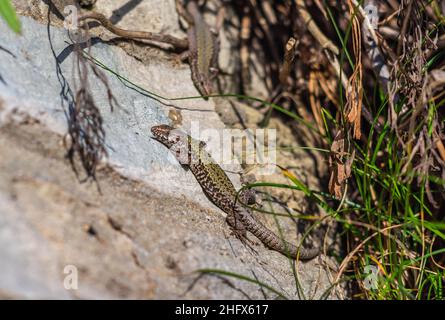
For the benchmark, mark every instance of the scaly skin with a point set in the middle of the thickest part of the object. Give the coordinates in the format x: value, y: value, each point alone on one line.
x: 220, y: 190
x: 203, y: 48
x: 201, y: 43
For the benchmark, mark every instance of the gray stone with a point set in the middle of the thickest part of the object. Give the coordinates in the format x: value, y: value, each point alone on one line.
x: 150, y: 228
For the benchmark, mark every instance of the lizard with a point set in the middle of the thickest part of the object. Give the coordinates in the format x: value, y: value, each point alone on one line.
x: 220, y: 190
x: 201, y: 47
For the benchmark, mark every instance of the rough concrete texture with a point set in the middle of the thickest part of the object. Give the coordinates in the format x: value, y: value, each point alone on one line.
x: 151, y: 228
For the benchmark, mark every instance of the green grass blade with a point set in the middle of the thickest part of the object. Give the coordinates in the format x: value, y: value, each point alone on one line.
x: 245, y: 278
x: 7, y: 11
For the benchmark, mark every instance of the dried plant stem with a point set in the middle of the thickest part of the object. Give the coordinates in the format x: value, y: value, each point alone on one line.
x: 324, y: 41
x: 142, y: 35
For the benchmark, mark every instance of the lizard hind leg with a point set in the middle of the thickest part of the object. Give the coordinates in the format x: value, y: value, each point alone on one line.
x: 241, y: 235
x: 239, y: 231
x: 237, y: 226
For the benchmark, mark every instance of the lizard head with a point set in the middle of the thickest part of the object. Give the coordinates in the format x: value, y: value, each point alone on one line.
x: 174, y: 139
x: 206, y: 87
x: 167, y: 135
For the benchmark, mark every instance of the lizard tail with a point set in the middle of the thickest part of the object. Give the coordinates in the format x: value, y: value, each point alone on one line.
x: 272, y: 241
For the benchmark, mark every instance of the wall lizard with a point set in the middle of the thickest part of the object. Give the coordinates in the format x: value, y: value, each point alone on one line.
x: 201, y: 45
x: 220, y: 190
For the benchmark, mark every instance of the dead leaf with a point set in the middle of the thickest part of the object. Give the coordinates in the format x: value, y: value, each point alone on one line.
x: 340, y: 164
